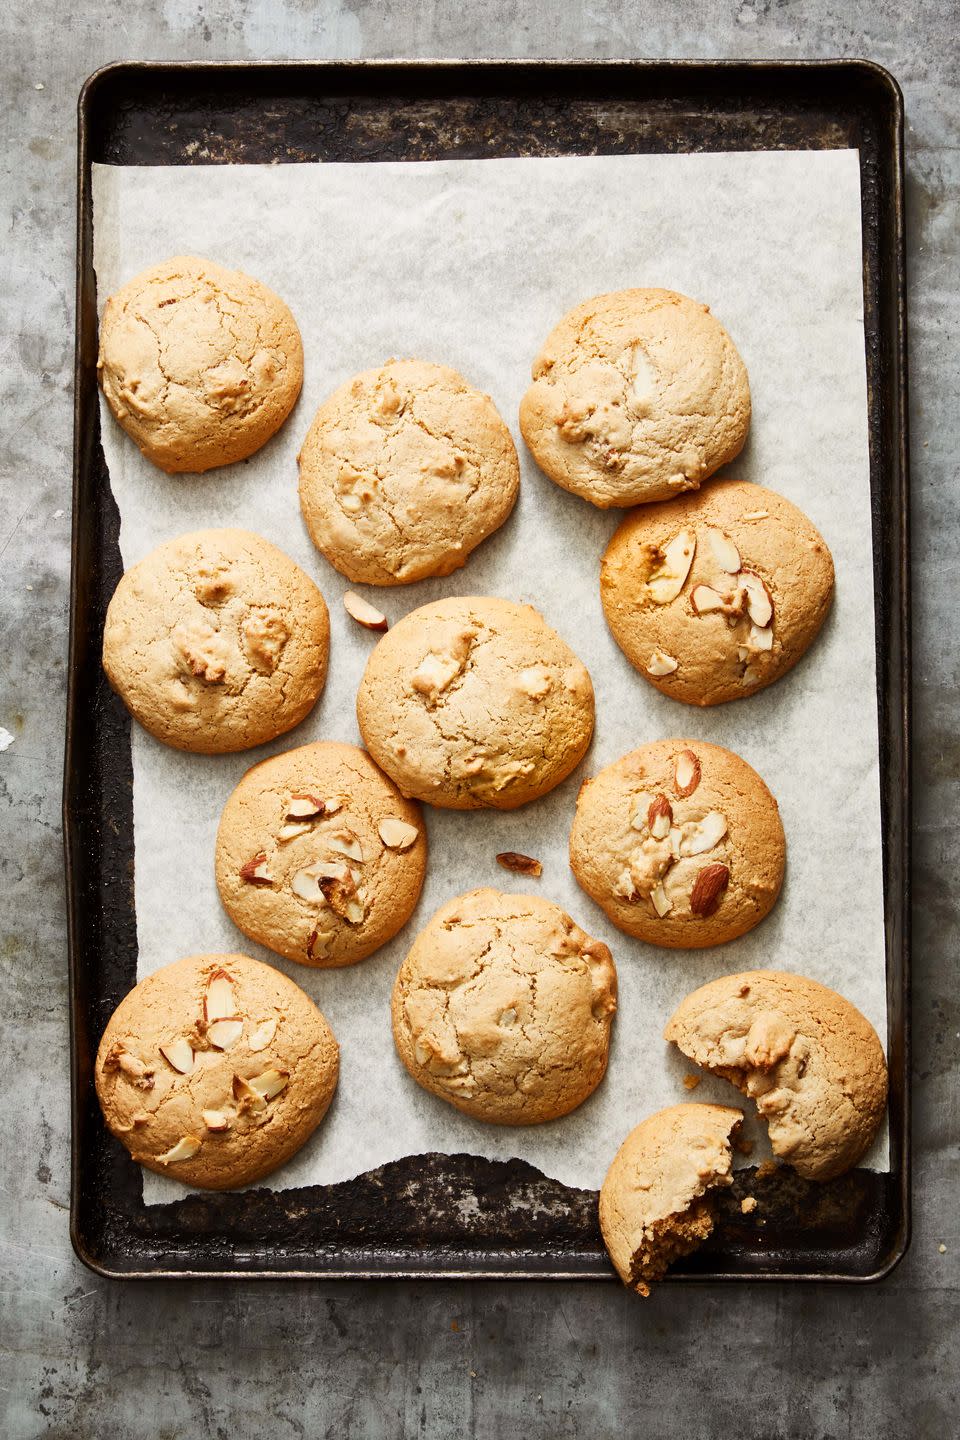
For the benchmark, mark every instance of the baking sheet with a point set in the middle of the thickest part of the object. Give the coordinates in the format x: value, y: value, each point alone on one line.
x: 470, y: 263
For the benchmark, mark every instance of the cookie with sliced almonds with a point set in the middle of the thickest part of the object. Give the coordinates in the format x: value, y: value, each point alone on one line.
x: 716, y: 594
x: 215, y: 1070
x: 681, y: 843
x: 318, y: 856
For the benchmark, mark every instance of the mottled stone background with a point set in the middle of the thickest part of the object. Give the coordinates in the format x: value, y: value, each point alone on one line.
x: 82, y: 1358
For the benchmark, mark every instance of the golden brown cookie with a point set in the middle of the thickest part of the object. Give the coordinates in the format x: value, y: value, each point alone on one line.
x: 215, y: 1070
x: 200, y: 365
x: 404, y: 471
x: 680, y: 842
x: 655, y: 1203
x: 715, y: 595
x: 636, y: 396
x: 472, y: 702
x: 318, y: 856
x: 503, y: 1008
x: 216, y: 641
x: 810, y: 1060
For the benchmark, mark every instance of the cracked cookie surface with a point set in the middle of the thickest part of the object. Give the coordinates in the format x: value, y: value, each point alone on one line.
x: 216, y: 641
x: 652, y: 1202
x: 319, y: 856
x: 716, y: 595
x: 637, y: 395
x: 503, y: 1008
x: 200, y: 365
x: 680, y: 843
x: 474, y: 702
x: 811, y: 1061
x: 215, y: 1070
x: 404, y: 471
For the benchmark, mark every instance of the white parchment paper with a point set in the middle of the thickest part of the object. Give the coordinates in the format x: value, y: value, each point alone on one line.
x: 470, y: 264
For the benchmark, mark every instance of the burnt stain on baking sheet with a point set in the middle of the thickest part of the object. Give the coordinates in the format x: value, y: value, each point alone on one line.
x: 436, y: 1215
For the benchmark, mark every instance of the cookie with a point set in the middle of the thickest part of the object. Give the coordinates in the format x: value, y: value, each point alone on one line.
x: 655, y: 1202
x: 215, y: 1070
x: 216, y: 641
x: 636, y: 396
x: 680, y: 843
x: 715, y: 595
x: 503, y: 1008
x: 404, y: 471
x: 472, y: 702
x: 199, y: 365
x: 318, y: 856
x: 810, y: 1060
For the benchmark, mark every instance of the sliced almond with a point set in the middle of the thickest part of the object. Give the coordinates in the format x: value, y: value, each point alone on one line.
x: 354, y: 911
x: 755, y: 515
x: 669, y: 578
x: 759, y: 602
x: 725, y: 552
x: 331, y: 870
x: 256, y: 871
x: 660, y: 663
x: 318, y: 944
x: 686, y: 773
x: 219, y: 1001
x: 185, y: 1149
x: 624, y: 888
x: 708, y: 889
x: 661, y: 901
x: 304, y: 807
x: 701, y: 835
x: 520, y: 864
x: 364, y: 613
x: 215, y: 1120
x: 306, y: 885
x: 245, y: 1095
x: 178, y: 1053
x: 270, y: 1083
x: 660, y: 817
x: 346, y: 843
x: 224, y: 1033
x: 263, y: 1034
x: 704, y: 599
x: 292, y: 829
x: 397, y: 834
x: 330, y: 807
x: 760, y: 639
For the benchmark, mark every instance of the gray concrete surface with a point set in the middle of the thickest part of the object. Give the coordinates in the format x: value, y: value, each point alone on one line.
x: 83, y: 1358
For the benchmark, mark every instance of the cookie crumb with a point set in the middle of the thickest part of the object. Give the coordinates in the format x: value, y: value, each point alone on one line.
x: 520, y: 864
x: 942, y: 1249
x: 691, y: 1081
x: 747, y: 1204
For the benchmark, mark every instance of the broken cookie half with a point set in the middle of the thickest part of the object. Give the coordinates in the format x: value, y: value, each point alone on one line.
x: 813, y: 1064
x: 656, y: 1203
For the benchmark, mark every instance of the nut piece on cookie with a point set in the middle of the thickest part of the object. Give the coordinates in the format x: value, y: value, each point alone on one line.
x: 216, y: 642
x: 473, y: 703
x: 404, y: 471
x: 680, y: 843
x: 742, y: 612
x: 199, y: 365
x: 657, y: 1200
x: 330, y: 880
x: 235, y: 1100
x: 637, y: 396
x: 811, y: 1061
x: 503, y: 1008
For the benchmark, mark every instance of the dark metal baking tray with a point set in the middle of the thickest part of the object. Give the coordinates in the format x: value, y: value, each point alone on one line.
x: 405, y: 1219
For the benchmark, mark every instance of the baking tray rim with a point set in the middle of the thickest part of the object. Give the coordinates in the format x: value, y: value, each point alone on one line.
x: 899, y: 620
